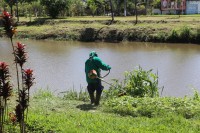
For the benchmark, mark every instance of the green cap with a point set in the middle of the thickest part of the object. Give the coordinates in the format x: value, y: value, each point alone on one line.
x: 93, y: 54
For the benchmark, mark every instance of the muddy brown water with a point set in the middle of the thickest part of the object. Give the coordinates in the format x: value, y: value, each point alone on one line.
x: 59, y: 65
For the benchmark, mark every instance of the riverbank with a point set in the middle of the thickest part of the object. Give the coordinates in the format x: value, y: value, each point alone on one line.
x: 63, y: 114
x: 171, y: 29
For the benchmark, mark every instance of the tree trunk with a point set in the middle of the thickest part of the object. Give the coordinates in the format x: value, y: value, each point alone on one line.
x: 146, y: 7
x: 17, y: 11
x: 136, y: 14
x: 11, y: 10
x: 125, y: 5
x: 118, y: 8
x: 111, y: 8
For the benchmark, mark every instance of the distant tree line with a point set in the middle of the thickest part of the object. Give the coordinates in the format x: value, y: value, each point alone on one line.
x: 63, y: 8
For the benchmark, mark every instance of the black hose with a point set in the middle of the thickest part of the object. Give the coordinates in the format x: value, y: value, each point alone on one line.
x: 105, y: 75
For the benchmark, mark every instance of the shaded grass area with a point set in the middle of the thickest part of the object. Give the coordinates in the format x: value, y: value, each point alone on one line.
x: 49, y: 113
x: 148, y: 29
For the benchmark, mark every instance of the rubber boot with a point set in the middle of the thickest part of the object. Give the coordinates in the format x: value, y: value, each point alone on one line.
x: 98, y: 96
x: 92, y: 99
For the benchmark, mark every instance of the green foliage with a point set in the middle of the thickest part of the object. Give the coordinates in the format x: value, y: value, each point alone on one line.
x: 162, y: 37
x: 96, y: 7
x: 54, y: 7
x: 74, y: 95
x: 197, y: 36
x: 92, y: 5
x: 88, y: 35
x: 43, y: 94
x: 2, y: 4
x: 156, y: 4
x: 173, y: 37
x: 113, y: 36
x: 137, y: 83
x: 132, y: 35
x: 27, y: 1
x: 10, y: 2
x: 196, y: 95
x: 114, y: 90
x: 185, y: 34
x: 154, y: 107
x: 76, y: 8
x: 166, y: 114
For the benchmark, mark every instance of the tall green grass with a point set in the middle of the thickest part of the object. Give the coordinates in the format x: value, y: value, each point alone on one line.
x: 185, y: 34
x: 136, y: 83
x: 74, y: 95
x: 50, y: 114
x: 187, y: 107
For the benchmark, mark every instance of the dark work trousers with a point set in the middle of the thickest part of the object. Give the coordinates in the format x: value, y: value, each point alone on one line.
x: 92, y: 87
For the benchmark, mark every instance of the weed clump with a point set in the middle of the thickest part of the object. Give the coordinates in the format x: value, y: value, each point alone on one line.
x: 137, y: 83
x: 138, y: 96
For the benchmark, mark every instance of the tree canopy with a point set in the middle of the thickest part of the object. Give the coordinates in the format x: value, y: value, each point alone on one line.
x: 56, y: 8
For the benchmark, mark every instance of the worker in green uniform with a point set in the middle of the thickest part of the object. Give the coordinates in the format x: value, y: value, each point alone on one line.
x: 93, y: 67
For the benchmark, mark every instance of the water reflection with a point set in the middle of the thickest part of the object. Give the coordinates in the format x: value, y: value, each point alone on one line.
x: 60, y: 65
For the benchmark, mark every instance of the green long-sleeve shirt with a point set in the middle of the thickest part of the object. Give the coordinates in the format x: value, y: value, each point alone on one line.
x: 97, y: 64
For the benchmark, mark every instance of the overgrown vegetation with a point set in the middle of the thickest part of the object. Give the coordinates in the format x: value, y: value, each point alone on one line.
x: 136, y: 83
x: 50, y: 113
x: 155, y: 107
x: 138, y: 96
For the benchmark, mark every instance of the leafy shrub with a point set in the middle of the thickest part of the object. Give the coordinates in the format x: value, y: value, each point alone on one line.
x: 54, y: 7
x: 88, y: 35
x: 132, y: 36
x: 161, y: 37
x: 185, y: 34
x: 173, y: 37
x: 138, y: 83
x: 196, y: 95
x: 113, y: 36
x: 197, y: 36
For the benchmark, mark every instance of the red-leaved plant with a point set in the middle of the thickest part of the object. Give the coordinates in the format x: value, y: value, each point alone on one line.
x: 20, y: 54
x: 5, y: 92
x: 8, y: 24
x: 27, y: 78
x: 10, y: 30
x: 27, y: 82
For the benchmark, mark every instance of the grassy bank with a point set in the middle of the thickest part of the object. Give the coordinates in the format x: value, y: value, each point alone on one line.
x: 50, y: 114
x: 169, y: 28
x: 133, y: 105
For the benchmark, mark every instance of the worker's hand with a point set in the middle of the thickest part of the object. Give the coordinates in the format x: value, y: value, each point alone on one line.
x: 109, y: 67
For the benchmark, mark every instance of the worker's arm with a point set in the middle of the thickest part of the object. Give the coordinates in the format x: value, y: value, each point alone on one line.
x: 101, y: 64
